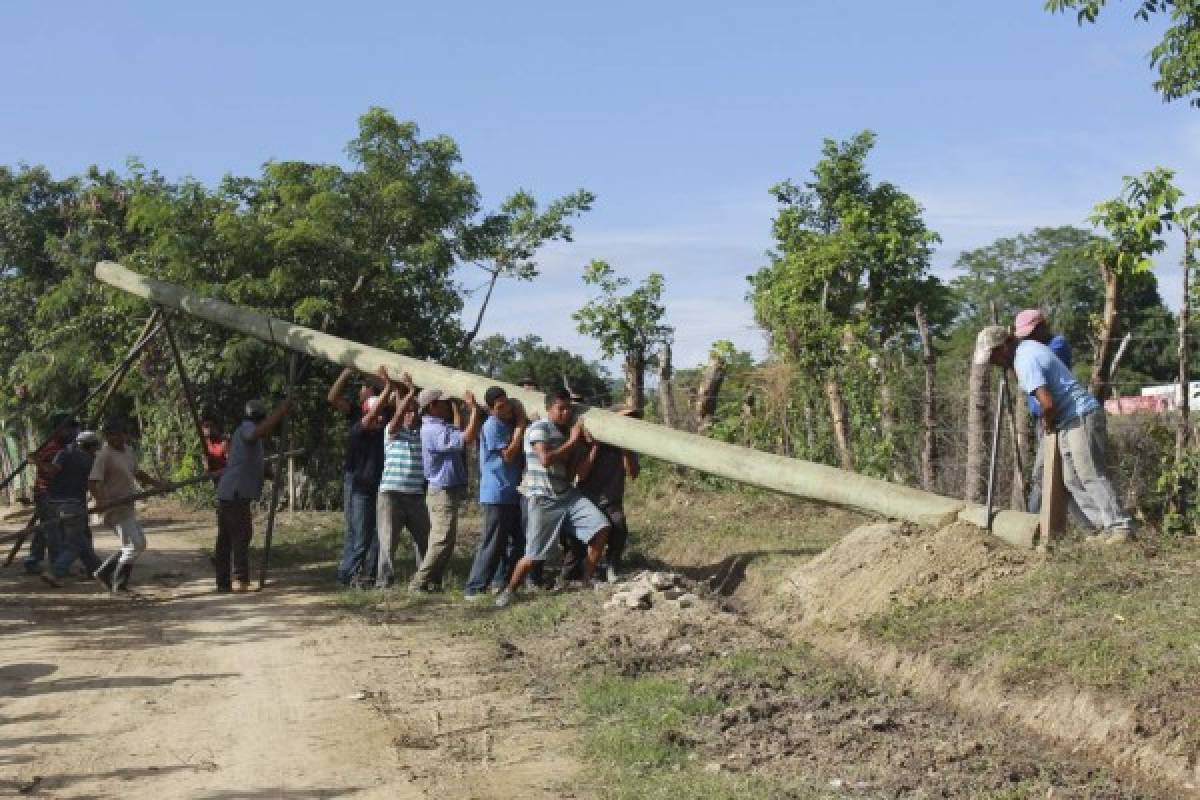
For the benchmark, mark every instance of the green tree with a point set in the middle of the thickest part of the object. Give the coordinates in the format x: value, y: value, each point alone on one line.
x: 627, y: 325
x: 529, y: 358
x: 1134, y: 222
x: 851, y: 260
x: 1177, y: 54
x: 505, y: 243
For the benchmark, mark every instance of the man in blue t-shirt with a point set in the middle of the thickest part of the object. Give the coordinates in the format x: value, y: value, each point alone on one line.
x: 500, y: 465
x: 1031, y: 324
x: 1070, y: 413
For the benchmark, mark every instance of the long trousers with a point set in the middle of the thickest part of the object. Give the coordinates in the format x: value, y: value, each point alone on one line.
x: 394, y: 512
x: 444, y: 507
x: 235, y: 528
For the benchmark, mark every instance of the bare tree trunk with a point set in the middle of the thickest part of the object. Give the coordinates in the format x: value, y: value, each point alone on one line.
x: 1018, y: 419
x: 704, y: 403
x: 487, y: 297
x: 635, y: 379
x: 840, y: 418
x: 978, y: 402
x: 1182, y: 434
x: 747, y: 417
x: 1101, y: 373
x: 666, y: 386
x: 1023, y: 445
x: 928, y: 409
x: 887, y: 421
x: 810, y: 426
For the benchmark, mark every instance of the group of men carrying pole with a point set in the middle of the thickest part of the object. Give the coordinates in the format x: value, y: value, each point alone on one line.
x: 545, y: 483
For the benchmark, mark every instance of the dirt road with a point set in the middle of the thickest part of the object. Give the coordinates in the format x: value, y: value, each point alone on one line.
x: 191, y: 694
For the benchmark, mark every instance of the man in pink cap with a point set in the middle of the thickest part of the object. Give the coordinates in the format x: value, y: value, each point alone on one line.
x: 1031, y: 324
x: 1071, y: 413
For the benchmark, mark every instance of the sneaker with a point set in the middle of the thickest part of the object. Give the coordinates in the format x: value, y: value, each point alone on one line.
x: 472, y: 597
x: 51, y: 580
x: 1095, y: 538
x: 241, y: 586
x: 504, y: 599
x: 610, y: 574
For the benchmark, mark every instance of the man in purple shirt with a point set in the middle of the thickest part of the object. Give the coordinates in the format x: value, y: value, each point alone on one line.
x: 443, y: 445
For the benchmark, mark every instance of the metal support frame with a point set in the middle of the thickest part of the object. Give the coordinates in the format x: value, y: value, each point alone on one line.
x: 189, y: 394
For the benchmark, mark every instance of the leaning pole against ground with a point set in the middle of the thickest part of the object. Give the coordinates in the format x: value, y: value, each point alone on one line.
x: 786, y: 475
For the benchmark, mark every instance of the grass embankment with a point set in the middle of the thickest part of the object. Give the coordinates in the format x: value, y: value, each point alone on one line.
x: 1120, y: 622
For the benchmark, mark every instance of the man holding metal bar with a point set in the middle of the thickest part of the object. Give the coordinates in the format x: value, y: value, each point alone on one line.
x: 240, y: 485
x: 114, y: 475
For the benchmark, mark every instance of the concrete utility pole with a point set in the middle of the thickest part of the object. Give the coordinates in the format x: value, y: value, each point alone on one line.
x: 777, y: 473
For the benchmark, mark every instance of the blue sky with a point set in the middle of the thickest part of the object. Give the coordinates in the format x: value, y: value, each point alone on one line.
x: 679, y: 116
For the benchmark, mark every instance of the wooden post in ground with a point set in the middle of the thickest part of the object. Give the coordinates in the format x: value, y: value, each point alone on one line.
x: 1053, y: 522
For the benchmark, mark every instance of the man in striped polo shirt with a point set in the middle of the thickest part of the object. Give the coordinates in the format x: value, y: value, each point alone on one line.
x: 401, y: 502
x: 555, y: 505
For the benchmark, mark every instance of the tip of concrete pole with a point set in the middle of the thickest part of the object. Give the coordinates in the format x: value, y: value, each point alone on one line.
x: 1014, y: 527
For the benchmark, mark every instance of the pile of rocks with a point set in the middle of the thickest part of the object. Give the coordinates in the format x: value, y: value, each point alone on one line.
x: 649, y: 589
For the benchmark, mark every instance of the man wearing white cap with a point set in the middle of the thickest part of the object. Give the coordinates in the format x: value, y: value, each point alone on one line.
x: 444, y: 442
x: 241, y: 484
x: 1071, y: 413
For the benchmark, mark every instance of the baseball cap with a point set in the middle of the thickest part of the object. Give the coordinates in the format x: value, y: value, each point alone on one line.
x: 1026, y: 321
x: 427, y: 396
x: 256, y: 409
x: 86, y: 438
x: 988, y: 340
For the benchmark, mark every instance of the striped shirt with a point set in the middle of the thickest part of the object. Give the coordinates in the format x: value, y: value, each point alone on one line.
x: 403, y: 470
x: 543, y: 481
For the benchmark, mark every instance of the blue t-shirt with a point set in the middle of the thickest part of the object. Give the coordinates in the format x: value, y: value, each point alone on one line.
x: 1037, y: 366
x: 498, y: 478
x: 1058, y: 345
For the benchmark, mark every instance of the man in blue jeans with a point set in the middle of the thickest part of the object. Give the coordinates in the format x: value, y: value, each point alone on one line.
x: 1031, y: 324
x: 361, y: 476
x: 500, y: 465
x: 68, y: 503
x: 1072, y: 415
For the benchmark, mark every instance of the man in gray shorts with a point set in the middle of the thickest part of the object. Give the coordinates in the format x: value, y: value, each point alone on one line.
x: 554, y: 503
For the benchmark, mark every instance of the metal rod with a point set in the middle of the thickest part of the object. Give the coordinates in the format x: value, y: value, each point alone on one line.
x: 189, y: 393
x: 1000, y: 406
x: 276, y: 483
x: 151, y: 329
x: 21, y: 536
x: 111, y: 504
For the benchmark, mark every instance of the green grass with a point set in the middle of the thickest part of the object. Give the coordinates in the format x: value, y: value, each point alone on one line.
x: 636, y: 732
x: 531, y: 614
x: 1102, y: 620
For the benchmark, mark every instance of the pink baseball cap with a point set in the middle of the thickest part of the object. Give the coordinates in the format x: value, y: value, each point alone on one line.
x: 1026, y: 321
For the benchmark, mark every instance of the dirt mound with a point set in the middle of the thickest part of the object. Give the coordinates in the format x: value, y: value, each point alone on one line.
x: 887, y: 563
